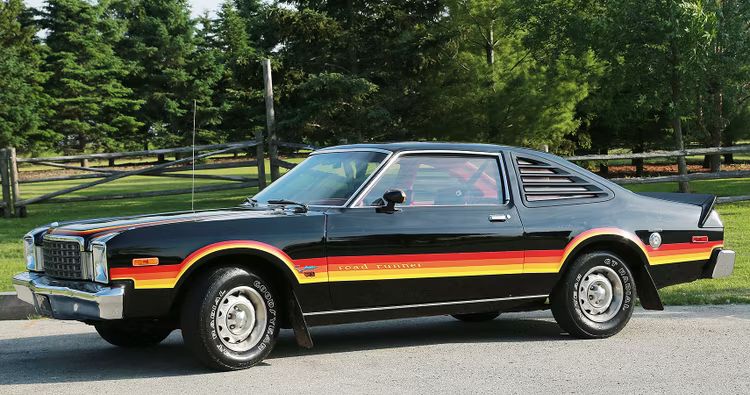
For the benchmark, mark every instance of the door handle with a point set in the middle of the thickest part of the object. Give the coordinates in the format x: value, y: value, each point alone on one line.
x: 499, y: 217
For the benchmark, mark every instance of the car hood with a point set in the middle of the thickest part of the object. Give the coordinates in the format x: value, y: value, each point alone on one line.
x: 97, y: 227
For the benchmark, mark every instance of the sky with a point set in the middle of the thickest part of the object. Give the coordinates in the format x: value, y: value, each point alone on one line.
x: 197, y: 6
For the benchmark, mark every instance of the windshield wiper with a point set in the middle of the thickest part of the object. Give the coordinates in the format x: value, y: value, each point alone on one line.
x: 284, y: 202
x: 250, y: 202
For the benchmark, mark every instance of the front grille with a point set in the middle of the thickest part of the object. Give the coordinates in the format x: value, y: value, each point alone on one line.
x: 62, y: 259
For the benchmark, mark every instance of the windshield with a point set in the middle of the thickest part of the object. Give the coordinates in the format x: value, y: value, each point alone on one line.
x: 324, y: 179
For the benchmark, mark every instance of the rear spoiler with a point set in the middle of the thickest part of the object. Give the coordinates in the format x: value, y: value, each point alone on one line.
x: 704, y: 201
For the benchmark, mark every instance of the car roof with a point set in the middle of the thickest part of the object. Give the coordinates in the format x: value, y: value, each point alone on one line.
x: 420, y: 146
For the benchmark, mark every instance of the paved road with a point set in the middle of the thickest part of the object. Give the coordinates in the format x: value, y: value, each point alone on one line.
x: 705, y: 349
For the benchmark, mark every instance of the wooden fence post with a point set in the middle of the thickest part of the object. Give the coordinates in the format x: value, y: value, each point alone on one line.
x: 273, y: 152
x: 5, y: 174
x: 15, y: 193
x: 684, y: 186
x: 260, y: 157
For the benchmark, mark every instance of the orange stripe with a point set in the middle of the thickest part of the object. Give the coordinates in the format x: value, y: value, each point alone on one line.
x: 374, y: 267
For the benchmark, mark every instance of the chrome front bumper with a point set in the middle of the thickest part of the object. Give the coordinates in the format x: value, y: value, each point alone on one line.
x: 69, y: 300
x: 722, y: 264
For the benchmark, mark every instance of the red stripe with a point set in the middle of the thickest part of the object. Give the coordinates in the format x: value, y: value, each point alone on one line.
x: 544, y: 253
x: 685, y: 246
x: 455, y: 257
x: 310, y: 262
x: 428, y: 260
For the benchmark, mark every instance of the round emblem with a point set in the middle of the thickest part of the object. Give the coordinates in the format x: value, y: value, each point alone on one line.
x: 654, y: 240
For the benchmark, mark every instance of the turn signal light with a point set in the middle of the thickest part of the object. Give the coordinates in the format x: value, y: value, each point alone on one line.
x: 145, y: 261
x: 700, y: 239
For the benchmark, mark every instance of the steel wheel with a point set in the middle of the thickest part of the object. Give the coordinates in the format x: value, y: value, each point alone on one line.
x: 241, y: 319
x: 600, y: 294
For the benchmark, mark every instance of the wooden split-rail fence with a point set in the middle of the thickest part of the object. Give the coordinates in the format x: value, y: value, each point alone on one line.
x: 13, y: 204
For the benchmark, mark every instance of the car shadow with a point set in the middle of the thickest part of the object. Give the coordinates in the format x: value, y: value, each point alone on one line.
x: 86, y: 357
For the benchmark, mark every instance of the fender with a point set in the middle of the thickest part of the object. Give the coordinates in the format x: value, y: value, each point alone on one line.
x: 648, y: 293
x: 299, y: 271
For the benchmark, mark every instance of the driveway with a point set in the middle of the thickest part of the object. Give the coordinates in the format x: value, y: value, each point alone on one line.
x: 683, y: 349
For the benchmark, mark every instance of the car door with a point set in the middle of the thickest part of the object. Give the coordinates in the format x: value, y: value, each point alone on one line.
x: 457, y: 236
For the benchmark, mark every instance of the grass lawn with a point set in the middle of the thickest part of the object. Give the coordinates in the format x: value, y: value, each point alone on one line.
x: 735, y: 289
x: 736, y: 217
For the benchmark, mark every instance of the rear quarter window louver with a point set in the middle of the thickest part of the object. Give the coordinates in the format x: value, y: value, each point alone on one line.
x: 545, y: 182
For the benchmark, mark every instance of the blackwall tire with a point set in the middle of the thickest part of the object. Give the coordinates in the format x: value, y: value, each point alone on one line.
x: 132, y: 334
x: 595, y: 297
x: 230, y: 319
x: 476, y: 317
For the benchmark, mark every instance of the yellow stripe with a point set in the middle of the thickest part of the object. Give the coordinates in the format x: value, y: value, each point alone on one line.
x: 172, y: 282
x: 455, y: 271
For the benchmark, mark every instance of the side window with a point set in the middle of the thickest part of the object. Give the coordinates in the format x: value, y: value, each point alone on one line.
x: 440, y: 180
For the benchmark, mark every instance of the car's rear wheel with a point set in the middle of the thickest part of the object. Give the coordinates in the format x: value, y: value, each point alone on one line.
x: 596, y: 296
x: 229, y: 318
x: 128, y: 333
x: 476, y: 317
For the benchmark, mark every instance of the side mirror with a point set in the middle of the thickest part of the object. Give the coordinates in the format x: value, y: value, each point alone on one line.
x: 391, y: 198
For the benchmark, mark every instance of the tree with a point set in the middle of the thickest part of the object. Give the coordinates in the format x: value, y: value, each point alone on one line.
x: 374, y: 54
x: 661, y: 49
x: 240, y: 89
x: 92, y: 107
x: 159, y: 43
x: 725, y: 81
x: 23, y: 103
x: 494, y: 84
x: 205, y: 68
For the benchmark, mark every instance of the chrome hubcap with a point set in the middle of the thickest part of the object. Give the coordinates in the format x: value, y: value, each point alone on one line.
x: 600, y: 294
x: 241, y: 319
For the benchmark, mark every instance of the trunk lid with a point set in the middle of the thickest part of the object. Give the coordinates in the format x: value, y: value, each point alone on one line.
x: 705, y: 201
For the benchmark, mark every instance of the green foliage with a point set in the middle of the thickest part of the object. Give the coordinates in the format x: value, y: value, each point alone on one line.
x: 332, y: 105
x: 500, y: 85
x: 159, y: 43
x: 570, y: 75
x: 93, y: 109
x: 240, y: 89
x: 23, y: 103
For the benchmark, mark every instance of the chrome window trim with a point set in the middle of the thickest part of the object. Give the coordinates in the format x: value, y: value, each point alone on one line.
x: 389, y: 161
x: 418, y: 305
x: 340, y: 150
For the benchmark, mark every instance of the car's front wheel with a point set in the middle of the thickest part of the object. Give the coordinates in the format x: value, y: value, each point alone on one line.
x: 596, y: 296
x: 129, y: 334
x: 229, y: 318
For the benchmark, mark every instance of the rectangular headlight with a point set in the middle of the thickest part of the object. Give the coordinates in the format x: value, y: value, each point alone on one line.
x: 33, y: 263
x: 99, y: 256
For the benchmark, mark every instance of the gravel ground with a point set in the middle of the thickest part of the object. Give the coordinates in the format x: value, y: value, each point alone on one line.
x: 684, y: 349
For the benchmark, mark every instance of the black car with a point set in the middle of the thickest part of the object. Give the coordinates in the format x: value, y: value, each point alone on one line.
x: 378, y: 231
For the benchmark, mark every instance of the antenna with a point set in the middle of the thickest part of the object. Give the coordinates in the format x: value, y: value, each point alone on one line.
x: 192, y: 189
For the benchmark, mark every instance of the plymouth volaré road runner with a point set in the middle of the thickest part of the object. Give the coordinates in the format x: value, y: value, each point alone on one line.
x: 378, y: 231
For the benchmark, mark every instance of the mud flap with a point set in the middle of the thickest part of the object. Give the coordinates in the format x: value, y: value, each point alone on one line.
x: 301, y: 331
x: 647, y: 292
